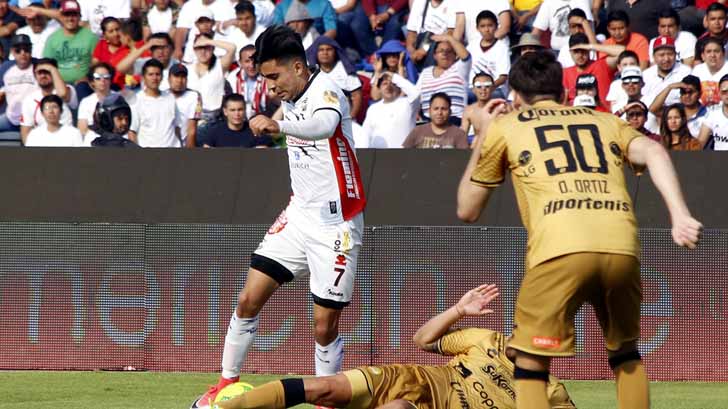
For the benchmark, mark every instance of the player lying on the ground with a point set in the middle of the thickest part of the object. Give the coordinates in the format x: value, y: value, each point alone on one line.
x: 480, y: 375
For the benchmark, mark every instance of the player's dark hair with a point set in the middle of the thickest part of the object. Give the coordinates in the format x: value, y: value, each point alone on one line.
x: 578, y: 38
x: 165, y: 36
x: 627, y: 54
x: 92, y: 69
x: 537, y: 74
x: 442, y: 96
x: 486, y: 15
x: 716, y: 7
x: 576, y: 12
x: 51, y: 99
x: 279, y: 43
x: 232, y: 98
x: 670, y: 13
x: 693, y: 81
x: 244, y: 6
x: 618, y: 15
x: 152, y: 62
x: 713, y: 40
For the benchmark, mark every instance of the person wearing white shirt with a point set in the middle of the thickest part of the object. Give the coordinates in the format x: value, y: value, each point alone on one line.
x: 187, y: 30
x: 38, y: 28
x: 52, y: 132
x: 243, y: 30
x: 207, y: 75
x: 189, y: 105
x: 245, y: 79
x: 154, y: 116
x: 714, y: 130
x: 93, y: 11
x: 466, y: 12
x: 668, y: 24
x: 160, y: 45
x: 327, y: 55
x: 160, y: 17
x: 100, y: 80
x: 617, y: 96
x: 16, y: 82
x: 553, y: 16
x: 690, y: 100
x: 578, y: 23
x: 665, y: 71
x: 712, y: 69
x: 49, y: 82
x: 389, y: 121
x: 426, y: 18
x: 490, y: 55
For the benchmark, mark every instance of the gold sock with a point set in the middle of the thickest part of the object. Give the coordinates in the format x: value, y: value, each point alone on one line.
x: 267, y: 396
x: 531, y: 394
x: 633, y: 389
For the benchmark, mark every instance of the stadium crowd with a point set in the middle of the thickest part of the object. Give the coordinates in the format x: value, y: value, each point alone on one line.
x: 416, y: 72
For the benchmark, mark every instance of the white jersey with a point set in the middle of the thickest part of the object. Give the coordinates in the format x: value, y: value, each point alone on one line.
x: 325, y: 177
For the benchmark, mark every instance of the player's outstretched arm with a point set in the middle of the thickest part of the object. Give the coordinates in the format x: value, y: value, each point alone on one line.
x: 686, y: 230
x: 474, y: 303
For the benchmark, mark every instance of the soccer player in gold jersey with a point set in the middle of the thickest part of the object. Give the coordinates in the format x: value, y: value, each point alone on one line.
x: 480, y: 374
x: 566, y: 166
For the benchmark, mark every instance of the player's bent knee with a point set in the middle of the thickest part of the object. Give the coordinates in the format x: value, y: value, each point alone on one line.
x: 249, y: 305
x: 618, y: 359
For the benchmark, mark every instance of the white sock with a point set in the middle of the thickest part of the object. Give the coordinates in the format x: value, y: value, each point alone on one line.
x: 329, y: 357
x: 239, y: 338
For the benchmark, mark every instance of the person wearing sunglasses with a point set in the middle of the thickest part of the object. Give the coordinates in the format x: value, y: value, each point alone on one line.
x: 483, y: 86
x: 99, y: 77
x: 690, y: 92
x: 16, y: 81
x: 636, y: 114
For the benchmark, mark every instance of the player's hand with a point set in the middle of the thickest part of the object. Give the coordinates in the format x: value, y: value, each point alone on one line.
x: 262, y: 125
x: 686, y: 231
x: 475, y: 301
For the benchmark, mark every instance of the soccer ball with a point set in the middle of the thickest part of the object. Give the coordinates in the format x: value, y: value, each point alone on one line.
x: 231, y: 391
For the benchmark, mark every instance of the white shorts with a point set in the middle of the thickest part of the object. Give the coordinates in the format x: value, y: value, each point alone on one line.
x: 297, y: 244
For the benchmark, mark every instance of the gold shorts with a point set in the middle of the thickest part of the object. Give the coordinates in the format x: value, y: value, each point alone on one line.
x: 373, y: 386
x: 552, y: 292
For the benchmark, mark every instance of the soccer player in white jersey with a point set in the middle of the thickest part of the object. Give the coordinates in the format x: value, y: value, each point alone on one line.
x: 320, y: 232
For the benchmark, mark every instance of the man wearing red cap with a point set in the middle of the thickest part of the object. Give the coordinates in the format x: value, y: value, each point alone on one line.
x: 71, y: 45
x: 666, y: 70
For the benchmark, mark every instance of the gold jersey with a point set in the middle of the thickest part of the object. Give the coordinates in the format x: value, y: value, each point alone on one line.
x: 567, y: 169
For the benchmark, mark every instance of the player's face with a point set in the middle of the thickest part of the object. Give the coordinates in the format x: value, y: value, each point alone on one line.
x: 121, y: 123
x: 152, y: 77
x: 580, y: 57
x: 52, y: 113
x: 636, y: 118
x: 667, y: 27
x: 674, y: 120
x: 482, y: 87
x: 487, y: 28
x: 177, y: 83
x: 713, y: 55
x: 689, y: 96
x: 618, y: 30
x: 715, y: 22
x: 665, y: 59
x: 326, y: 55
x: 234, y: 111
x: 440, y: 112
x: 287, y: 79
x: 247, y: 63
x: 246, y: 22
x: 444, y: 55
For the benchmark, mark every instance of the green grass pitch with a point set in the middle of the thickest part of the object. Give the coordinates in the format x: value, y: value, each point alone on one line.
x: 154, y: 390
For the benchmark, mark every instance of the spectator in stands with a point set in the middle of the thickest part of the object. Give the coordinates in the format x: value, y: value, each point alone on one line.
x: 586, y: 84
x: 528, y: 43
x: 160, y: 45
x: 53, y: 132
x: 553, y: 16
x: 490, y: 55
x: 38, y: 28
x: 196, y: 17
x: 643, y: 14
x: 715, y: 23
x: 264, y: 12
x: 617, y: 97
x: 160, y: 18
x: 449, y: 75
x: 234, y: 130
x: 632, y: 85
x: 393, y: 58
x: 112, y: 118
x: 246, y: 81
x: 667, y: 70
x: 578, y: 23
x: 110, y: 49
x: 204, y: 24
x: 714, y: 130
x: 620, y: 33
x: 385, y: 18
x: 585, y: 100
x: 440, y: 133
x: 674, y: 130
x: 712, y: 69
x: 321, y: 11
x: 154, y: 113
x: 636, y: 113
x: 669, y: 26
x: 207, y: 75
x: 93, y: 12
x: 603, y: 68
x: 301, y: 22
x: 427, y: 18
x: 389, y: 121
x: 16, y: 82
x: 689, y: 99
x: 466, y: 13
x: 9, y: 23
x: 243, y: 30
x: 49, y: 82
x: 328, y: 55
x: 99, y: 76
x: 71, y: 45
x: 483, y: 86
x: 189, y: 105
x: 525, y: 14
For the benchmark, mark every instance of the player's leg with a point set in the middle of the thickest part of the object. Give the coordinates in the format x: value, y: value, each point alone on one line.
x: 331, y: 391
x: 617, y: 306
x: 329, y: 345
x: 532, y: 377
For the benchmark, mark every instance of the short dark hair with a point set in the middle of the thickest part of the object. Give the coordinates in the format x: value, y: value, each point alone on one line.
x: 578, y: 38
x: 712, y: 40
x: 152, y: 62
x: 670, y: 13
x: 537, y: 73
x: 443, y: 96
x: 641, y: 104
x: 244, y: 6
x: 627, y: 54
x: 232, y: 98
x: 248, y: 47
x: 618, y: 15
x: 723, y: 79
x: 105, y: 22
x: 133, y: 28
x: 51, y: 99
x: 92, y: 69
x: 482, y: 74
x: 693, y: 81
x: 279, y: 43
x: 165, y: 36
x: 576, y: 12
x: 39, y: 61
x: 486, y: 15
x: 715, y: 7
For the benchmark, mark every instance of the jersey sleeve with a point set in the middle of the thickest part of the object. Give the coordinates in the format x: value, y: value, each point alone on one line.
x: 490, y: 171
x: 460, y: 341
x: 325, y: 96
